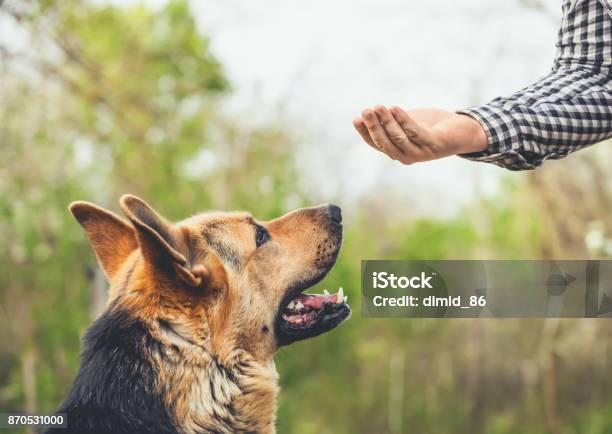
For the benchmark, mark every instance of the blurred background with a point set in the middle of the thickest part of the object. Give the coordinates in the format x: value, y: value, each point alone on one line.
x: 225, y: 104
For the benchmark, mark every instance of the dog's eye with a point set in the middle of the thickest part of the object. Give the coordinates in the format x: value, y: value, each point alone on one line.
x: 261, y: 236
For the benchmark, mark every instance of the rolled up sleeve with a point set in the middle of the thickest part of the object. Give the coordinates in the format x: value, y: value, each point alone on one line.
x: 567, y: 110
x: 564, y: 112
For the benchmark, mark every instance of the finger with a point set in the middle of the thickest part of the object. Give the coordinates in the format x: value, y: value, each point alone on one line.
x: 378, y: 134
x: 414, y: 132
x: 394, y: 131
x: 363, y: 132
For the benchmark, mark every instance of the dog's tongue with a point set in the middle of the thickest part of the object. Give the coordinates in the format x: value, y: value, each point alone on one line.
x: 315, y: 301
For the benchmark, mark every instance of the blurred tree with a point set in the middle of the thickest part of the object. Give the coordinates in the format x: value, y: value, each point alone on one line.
x: 97, y: 101
x: 103, y: 101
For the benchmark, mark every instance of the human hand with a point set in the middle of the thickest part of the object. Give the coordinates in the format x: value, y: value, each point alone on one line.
x: 419, y: 135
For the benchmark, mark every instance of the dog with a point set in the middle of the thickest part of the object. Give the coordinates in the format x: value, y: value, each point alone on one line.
x: 196, y: 312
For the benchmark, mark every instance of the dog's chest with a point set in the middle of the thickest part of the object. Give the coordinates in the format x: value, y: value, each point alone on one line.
x: 222, y: 399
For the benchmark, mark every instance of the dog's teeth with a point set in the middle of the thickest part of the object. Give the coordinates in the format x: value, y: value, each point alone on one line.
x: 340, y: 296
x: 325, y: 292
x: 299, y: 305
x: 291, y: 305
x: 346, y: 298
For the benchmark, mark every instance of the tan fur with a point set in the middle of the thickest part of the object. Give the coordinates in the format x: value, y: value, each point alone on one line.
x: 212, y: 311
x: 112, y: 238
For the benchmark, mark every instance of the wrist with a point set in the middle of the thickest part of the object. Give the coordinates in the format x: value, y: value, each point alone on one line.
x: 461, y: 134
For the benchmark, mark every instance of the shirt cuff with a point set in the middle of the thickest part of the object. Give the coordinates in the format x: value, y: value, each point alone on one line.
x: 505, y: 141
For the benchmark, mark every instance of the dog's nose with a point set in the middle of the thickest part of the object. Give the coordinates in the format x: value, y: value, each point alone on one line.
x: 334, y: 212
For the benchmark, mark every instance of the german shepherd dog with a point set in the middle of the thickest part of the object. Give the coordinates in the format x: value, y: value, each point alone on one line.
x: 196, y: 312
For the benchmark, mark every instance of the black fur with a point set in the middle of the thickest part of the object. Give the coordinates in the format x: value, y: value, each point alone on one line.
x: 114, y: 391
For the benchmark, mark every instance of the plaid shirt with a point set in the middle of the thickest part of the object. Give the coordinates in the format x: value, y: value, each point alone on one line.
x: 568, y: 109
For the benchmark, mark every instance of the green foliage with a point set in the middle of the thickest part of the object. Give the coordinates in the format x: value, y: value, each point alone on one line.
x: 127, y: 103
x: 120, y: 100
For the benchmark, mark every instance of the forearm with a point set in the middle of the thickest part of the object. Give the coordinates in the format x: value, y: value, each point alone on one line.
x: 565, y: 111
x: 458, y: 133
x: 538, y: 123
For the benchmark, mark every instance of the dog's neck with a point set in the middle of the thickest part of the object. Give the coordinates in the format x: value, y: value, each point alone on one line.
x: 135, y: 377
x: 207, y: 394
x: 203, y: 390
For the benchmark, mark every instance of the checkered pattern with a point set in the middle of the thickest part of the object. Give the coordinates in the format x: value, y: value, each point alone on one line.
x: 567, y: 110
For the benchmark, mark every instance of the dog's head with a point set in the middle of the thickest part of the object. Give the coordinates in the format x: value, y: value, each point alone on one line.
x: 222, y: 280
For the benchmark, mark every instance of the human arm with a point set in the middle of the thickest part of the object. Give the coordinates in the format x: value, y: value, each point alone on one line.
x: 567, y: 110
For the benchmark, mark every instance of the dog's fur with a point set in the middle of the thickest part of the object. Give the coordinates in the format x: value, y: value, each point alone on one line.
x: 187, y: 340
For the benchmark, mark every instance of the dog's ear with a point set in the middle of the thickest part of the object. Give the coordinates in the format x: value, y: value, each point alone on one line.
x: 159, y: 242
x: 112, y: 238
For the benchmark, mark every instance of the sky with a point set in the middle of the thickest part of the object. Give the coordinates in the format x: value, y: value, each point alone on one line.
x: 317, y: 64
x: 320, y: 63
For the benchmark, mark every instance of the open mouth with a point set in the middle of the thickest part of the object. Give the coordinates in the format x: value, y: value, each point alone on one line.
x: 309, y: 315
